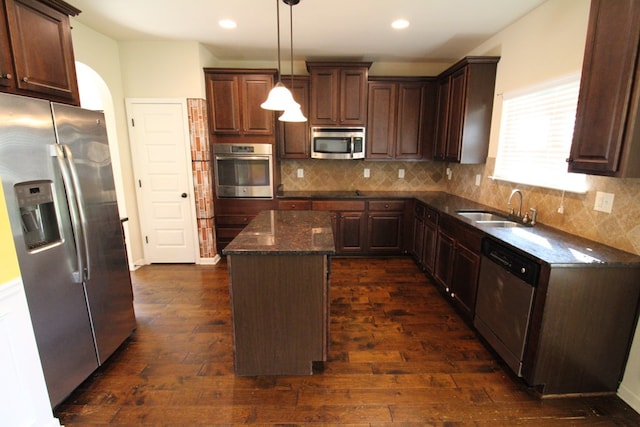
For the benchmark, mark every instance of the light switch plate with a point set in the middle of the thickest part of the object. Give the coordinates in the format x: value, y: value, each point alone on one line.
x: 604, y: 202
x: 478, y: 178
x: 401, y: 173
x: 300, y: 173
x: 367, y: 172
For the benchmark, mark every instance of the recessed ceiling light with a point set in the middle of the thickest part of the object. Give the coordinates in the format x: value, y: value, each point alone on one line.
x: 228, y: 24
x: 400, y: 24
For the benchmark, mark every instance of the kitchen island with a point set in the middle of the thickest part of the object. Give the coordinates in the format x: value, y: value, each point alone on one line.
x: 279, y: 283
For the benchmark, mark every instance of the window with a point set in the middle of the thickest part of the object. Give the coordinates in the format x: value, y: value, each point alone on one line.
x: 535, y: 136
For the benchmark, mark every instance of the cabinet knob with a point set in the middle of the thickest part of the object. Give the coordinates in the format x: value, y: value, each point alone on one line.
x: 25, y: 79
x: 386, y: 206
x: 453, y: 294
x: 6, y: 76
x: 183, y: 195
x: 293, y: 206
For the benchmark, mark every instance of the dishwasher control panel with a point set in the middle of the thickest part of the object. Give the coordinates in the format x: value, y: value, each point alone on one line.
x: 515, y: 263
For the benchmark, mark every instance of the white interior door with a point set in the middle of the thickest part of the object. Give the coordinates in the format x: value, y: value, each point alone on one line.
x: 161, y: 154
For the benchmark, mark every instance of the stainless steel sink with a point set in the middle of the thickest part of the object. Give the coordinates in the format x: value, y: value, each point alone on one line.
x: 478, y: 216
x: 490, y: 219
x: 505, y: 223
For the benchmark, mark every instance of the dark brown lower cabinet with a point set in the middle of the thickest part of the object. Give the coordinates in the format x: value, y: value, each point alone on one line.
x: 457, y: 263
x: 350, y: 227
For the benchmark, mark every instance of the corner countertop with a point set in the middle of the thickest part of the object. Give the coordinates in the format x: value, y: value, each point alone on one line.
x: 285, y: 232
x: 545, y: 244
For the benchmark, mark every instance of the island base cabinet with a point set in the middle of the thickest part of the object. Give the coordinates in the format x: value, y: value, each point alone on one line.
x: 280, y: 313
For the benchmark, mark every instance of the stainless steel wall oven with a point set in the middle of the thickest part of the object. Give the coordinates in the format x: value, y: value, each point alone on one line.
x: 243, y: 171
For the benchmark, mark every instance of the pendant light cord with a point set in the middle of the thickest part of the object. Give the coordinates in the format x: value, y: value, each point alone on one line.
x: 278, y: 27
x: 291, y: 34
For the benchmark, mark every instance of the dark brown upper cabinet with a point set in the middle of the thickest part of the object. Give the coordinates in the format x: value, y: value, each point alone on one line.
x: 338, y: 93
x: 606, y: 139
x: 400, y: 124
x: 294, y: 138
x: 233, y: 101
x: 37, y: 50
x: 464, y: 109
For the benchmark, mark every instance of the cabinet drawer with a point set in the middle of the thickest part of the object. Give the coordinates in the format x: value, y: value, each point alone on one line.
x: 294, y: 205
x: 430, y: 215
x: 231, y: 220
x: 386, y: 205
x: 338, y: 205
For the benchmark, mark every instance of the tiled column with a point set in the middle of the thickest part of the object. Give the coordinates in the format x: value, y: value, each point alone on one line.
x: 202, y: 176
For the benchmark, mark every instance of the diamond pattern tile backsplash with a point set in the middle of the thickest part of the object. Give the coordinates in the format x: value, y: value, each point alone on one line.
x: 620, y: 229
x: 332, y: 175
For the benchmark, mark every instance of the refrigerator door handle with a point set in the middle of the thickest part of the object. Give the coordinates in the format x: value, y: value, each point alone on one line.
x: 81, y: 210
x: 78, y: 276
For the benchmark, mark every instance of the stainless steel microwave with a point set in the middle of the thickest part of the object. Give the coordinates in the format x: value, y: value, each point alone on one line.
x: 337, y: 142
x: 243, y: 171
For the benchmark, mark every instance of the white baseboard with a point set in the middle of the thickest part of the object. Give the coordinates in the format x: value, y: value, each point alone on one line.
x: 630, y: 397
x: 209, y: 261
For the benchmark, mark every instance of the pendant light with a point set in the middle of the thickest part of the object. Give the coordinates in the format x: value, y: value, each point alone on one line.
x: 279, y: 97
x: 293, y: 113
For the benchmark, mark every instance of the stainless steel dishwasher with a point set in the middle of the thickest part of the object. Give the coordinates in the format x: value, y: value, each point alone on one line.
x: 505, y: 295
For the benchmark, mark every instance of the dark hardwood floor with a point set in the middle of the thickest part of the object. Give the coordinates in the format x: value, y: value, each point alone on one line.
x: 399, y: 355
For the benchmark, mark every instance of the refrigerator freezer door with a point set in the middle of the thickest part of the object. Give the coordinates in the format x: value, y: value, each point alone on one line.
x: 56, y: 303
x: 108, y: 283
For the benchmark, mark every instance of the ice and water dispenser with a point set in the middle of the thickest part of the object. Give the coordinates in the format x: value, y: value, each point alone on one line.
x: 37, y: 210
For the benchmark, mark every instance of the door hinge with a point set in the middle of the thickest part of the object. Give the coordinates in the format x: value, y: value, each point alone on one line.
x: 146, y: 238
x: 140, y: 183
x: 133, y: 123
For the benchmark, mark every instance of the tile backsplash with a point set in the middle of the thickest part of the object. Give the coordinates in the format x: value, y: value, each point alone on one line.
x: 620, y: 228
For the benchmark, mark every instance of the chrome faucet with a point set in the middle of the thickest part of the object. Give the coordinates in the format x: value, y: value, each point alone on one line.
x: 519, y: 206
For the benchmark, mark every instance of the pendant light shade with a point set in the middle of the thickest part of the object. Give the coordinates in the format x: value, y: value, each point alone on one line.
x: 293, y: 114
x: 279, y: 99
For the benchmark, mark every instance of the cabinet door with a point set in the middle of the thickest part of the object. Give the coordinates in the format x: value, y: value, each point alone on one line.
x: 457, y: 96
x: 6, y: 62
x: 408, y: 139
x: 351, y: 227
x: 381, y: 130
x: 608, y: 98
x: 442, y: 119
x: 255, y: 119
x: 223, y: 96
x: 429, y: 246
x: 464, y: 279
x: 325, y: 86
x: 384, y: 232
x: 445, y: 250
x: 353, y: 96
x: 42, y: 49
x: 417, y: 245
x: 294, y: 137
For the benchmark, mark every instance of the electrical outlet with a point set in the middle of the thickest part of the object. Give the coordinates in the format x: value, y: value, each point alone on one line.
x: 478, y: 178
x: 401, y: 173
x: 367, y: 172
x: 604, y: 202
x: 300, y: 173
x: 449, y: 173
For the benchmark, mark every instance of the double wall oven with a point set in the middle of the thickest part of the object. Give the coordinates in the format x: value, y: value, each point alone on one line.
x: 243, y: 171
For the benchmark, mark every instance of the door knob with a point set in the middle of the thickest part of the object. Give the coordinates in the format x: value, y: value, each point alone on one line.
x: 183, y: 195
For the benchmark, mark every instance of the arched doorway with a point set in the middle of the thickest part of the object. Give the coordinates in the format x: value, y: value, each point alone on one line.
x: 95, y: 95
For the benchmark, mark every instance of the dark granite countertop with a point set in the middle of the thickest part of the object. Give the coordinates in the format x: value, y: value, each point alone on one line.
x: 545, y: 244
x: 285, y: 232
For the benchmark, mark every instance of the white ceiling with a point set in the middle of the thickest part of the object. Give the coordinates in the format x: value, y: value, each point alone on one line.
x: 440, y: 30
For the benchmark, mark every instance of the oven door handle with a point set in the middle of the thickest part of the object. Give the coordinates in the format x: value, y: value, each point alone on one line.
x: 241, y: 157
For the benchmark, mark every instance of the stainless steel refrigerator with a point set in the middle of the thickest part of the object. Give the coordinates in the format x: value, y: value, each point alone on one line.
x: 58, y: 183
